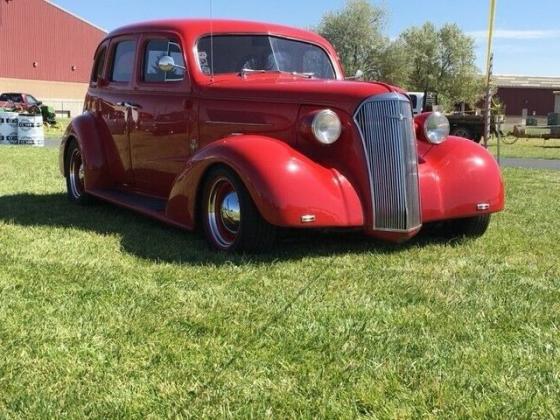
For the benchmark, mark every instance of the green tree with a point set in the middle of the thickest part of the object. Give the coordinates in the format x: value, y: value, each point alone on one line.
x: 355, y: 32
x: 393, y: 64
x: 443, y: 61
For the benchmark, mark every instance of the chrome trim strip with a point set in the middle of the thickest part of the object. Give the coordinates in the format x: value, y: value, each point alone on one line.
x: 237, y: 123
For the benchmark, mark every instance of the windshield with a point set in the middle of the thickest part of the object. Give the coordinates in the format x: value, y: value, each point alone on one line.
x: 235, y: 53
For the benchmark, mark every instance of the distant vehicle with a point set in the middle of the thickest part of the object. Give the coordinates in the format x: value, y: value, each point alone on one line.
x: 26, y: 103
x: 461, y: 124
x: 22, y: 101
x: 243, y: 128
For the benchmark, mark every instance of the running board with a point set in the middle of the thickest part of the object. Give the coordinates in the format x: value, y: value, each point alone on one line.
x: 149, y: 206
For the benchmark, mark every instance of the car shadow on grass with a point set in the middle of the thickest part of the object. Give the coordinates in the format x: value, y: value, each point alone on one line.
x: 152, y: 240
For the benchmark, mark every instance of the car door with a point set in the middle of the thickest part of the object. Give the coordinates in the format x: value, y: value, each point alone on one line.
x: 162, y: 118
x: 115, y: 109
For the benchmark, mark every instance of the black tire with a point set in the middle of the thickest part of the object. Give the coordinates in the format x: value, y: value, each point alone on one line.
x: 471, y: 227
x: 75, y: 175
x: 225, y: 229
x: 462, y: 132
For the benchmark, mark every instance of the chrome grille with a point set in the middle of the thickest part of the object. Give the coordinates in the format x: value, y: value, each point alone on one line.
x: 386, y: 127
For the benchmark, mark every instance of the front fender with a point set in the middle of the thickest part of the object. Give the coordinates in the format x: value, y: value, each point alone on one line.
x: 284, y: 184
x: 457, y: 176
x: 85, y: 131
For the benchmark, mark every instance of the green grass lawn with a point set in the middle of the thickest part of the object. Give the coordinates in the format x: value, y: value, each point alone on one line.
x: 56, y: 131
x: 528, y: 148
x: 107, y: 314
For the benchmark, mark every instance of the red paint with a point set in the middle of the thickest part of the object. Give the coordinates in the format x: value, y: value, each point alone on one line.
x: 160, y: 140
x: 36, y: 31
x: 537, y: 100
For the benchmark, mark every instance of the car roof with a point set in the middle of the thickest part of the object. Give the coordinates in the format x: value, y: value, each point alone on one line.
x: 195, y: 28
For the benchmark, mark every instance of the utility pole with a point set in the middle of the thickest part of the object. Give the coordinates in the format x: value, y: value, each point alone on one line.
x: 488, y: 102
x: 489, y: 69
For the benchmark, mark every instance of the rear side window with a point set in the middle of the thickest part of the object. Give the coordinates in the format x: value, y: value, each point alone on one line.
x: 11, y: 97
x: 99, y: 65
x: 155, y: 50
x: 123, y: 62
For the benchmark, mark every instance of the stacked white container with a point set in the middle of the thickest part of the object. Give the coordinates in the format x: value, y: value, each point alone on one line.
x: 8, y: 127
x: 30, y: 130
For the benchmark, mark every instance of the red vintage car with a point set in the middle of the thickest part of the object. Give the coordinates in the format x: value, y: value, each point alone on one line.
x: 243, y: 128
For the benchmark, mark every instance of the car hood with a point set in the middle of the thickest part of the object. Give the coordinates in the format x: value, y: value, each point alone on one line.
x: 342, y: 94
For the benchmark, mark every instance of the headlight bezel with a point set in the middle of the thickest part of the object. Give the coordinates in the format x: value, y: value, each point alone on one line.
x: 332, y: 134
x: 436, y: 128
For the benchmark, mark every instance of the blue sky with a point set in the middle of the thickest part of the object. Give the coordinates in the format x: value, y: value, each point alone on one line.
x: 527, y: 34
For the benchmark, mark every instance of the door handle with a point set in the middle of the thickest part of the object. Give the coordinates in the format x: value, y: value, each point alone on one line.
x: 129, y: 105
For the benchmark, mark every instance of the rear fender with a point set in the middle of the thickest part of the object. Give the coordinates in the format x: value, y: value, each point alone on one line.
x: 85, y: 131
x: 284, y: 184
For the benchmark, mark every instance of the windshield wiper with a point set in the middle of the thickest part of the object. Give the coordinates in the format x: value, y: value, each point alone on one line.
x: 244, y: 72
x: 308, y: 75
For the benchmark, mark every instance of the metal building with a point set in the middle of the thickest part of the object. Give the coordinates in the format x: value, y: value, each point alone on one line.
x: 535, y: 94
x: 46, y: 51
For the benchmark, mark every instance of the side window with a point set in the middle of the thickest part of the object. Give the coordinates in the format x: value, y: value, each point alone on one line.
x: 98, y: 66
x: 155, y: 49
x: 31, y: 100
x: 123, y: 62
x: 17, y: 98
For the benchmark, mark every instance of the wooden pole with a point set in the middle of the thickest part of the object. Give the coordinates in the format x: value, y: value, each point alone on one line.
x: 489, y: 68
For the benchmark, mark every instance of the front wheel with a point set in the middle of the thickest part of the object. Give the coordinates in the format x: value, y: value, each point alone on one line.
x: 230, y: 219
x: 472, y: 227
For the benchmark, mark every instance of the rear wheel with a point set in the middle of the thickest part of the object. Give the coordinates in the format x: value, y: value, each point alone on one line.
x: 472, y: 227
x: 230, y: 219
x: 75, y: 174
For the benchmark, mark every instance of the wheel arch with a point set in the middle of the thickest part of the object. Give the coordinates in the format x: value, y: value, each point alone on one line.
x: 85, y: 130
x: 456, y: 177
x: 283, y: 183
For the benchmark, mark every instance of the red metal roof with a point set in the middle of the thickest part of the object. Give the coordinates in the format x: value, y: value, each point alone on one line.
x: 41, y: 41
x: 194, y: 28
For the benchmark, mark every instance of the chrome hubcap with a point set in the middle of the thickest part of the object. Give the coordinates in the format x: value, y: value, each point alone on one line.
x: 224, y: 213
x: 76, y: 174
x: 231, y: 213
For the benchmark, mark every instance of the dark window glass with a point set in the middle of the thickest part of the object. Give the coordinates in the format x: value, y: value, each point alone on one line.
x: 233, y: 53
x: 157, y: 49
x: 123, y: 62
x: 11, y: 97
x: 31, y: 100
x: 98, y: 66
x: 414, y: 101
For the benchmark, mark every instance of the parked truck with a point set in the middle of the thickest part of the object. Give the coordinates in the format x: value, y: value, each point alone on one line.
x: 462, y: 124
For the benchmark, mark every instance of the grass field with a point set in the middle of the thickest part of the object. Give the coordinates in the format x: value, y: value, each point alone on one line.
x: 107, y: 314
x: 56, y: 131
x: 528, y: 148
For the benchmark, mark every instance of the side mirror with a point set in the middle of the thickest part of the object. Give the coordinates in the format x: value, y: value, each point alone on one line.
x: 166, y: 64
x: 39, y: 103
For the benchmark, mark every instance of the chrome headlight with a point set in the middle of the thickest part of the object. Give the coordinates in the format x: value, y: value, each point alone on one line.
x: 436, y: 128
x: 326, y: 126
